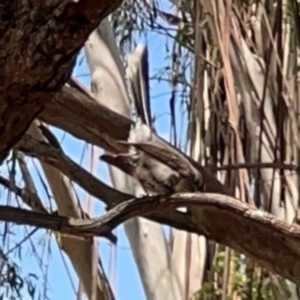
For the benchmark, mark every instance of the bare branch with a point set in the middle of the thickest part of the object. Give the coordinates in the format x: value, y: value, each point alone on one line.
x: 256, y: 166
x: 228, y: 221
x: 56, y: 158
x: 28, y: 197
x: 80, y: 252
x: 79, y: 114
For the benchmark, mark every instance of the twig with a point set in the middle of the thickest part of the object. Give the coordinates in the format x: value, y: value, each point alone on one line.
x: 256, y: 166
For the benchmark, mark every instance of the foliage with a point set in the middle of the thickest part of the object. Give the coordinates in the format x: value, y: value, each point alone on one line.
x: 246, y: 281
x: 14, y: 284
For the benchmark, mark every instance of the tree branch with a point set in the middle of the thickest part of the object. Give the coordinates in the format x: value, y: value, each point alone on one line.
x: 282, y: 166
x: 82, y: 116
x: 79, y: 114
x: 56, y: 158
x: 273, y: 243
x: 111, y: 197
x: 28, y: 197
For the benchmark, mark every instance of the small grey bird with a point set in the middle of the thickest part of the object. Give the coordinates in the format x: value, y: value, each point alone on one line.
x: 157, y: 165
x: 175, y: 174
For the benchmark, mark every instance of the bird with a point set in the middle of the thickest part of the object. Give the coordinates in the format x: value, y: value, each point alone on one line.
x: 160, y: 169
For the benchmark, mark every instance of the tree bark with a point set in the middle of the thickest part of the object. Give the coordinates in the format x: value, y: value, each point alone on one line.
x: 39, y: 44
x: 271, y: 242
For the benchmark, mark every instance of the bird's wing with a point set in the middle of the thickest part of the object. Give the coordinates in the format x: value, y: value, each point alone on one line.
x: 172, y: 159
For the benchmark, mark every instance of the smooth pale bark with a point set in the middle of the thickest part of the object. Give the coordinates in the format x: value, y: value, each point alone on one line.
x: 146, y: 238
x: 79, y: 251
x: 189, y: 250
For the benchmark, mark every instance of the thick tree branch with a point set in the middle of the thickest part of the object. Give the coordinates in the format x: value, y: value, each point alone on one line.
x: 86, y: 119
x: 56, y: 158
x: 79, y: 114
x: 48, y: 221
x: 36, y: 63
x: 273, y: 243
x: 111, y: 197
